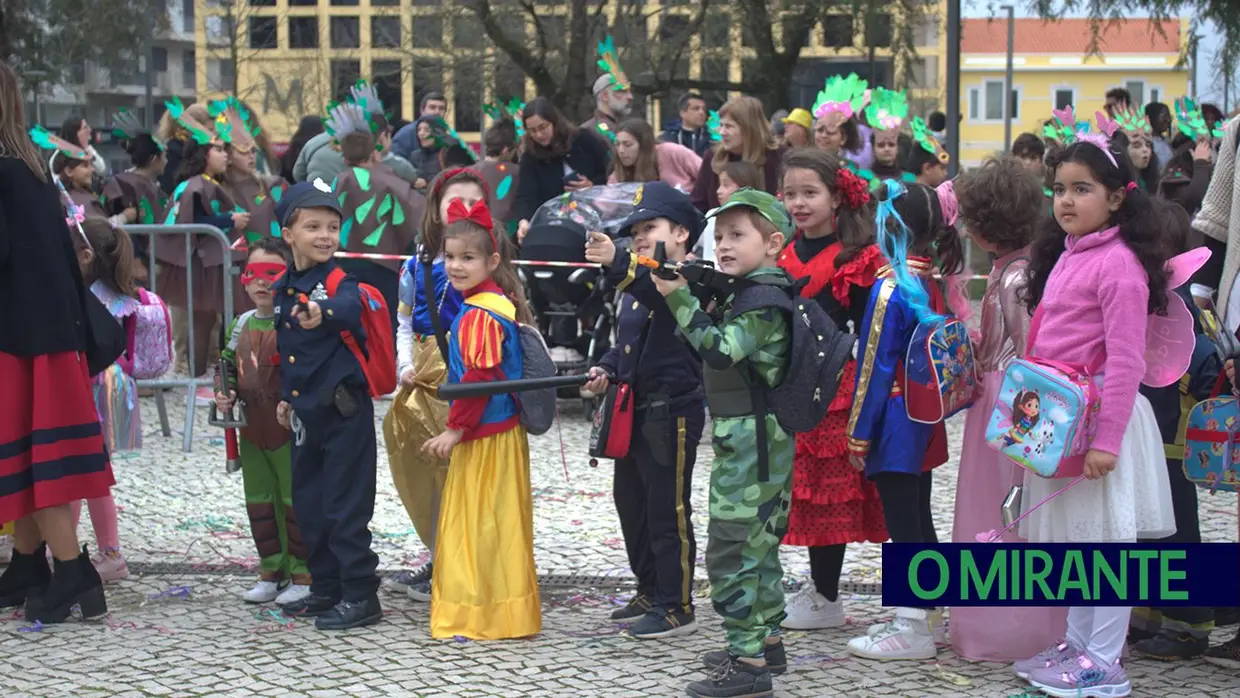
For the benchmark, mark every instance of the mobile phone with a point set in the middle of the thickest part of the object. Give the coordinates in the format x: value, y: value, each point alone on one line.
x: 570, y: 177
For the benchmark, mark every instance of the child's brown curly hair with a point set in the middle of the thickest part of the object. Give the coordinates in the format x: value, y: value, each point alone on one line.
x: 1001, y: 203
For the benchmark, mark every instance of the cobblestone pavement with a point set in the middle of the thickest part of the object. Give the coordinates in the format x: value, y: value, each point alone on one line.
x: 178, y: 628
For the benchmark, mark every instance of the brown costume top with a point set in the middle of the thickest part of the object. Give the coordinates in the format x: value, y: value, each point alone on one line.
x: 252, y: 351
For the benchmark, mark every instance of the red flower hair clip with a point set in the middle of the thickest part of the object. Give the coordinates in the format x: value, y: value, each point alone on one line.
x: 853, y: 189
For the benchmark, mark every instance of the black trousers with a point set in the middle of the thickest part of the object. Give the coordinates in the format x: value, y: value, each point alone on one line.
x: 906, y: 507
x: 334, y: 496
x: 385, y: 280
x: 652, y: 488
x: 1187, y: 530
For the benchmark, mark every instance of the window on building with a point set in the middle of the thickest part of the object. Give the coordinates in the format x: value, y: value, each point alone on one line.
x: 1137, y: 89
x: 385, y: 31
x: 837, y: 31
x: 427, y: 77
x: 187, y: 16
x: 345, y: 3
x: 467, y: 32
x: 673, y: 26
x: 302, y: 3
x: 1064, y: 96
x: 159, y: 59
x: 346, y: 32
x: 715, y: 30
x: 189, y: 69
x: 427, y: 3
x: 926, y: 31
x: 262, y: 3
x: 387, y: 78
x: 345, y: 74
x: 385, y: 3
x: 427, y: 31
x: 986, y: 102
x: 264, y: 33
x: 221, y: 75
x: 924, y: 72
x: 467, y: 96
x: 303, y: 32
x: 879, y: 29
x: 1155, y: 94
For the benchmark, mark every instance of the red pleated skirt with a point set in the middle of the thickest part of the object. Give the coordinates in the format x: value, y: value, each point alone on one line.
x: 51, y: 443
x: 832, y: 502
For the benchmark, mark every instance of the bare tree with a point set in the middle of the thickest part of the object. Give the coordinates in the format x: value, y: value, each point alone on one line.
x: 54, y: 36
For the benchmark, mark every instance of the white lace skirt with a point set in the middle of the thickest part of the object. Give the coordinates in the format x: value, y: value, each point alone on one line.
x: 1132, y: 502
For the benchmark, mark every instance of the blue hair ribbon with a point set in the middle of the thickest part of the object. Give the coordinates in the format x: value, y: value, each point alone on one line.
x: 894, y: 239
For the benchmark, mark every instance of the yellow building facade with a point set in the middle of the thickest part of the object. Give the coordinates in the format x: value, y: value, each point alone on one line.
x: 289, y: 58
x: 1053, y: 66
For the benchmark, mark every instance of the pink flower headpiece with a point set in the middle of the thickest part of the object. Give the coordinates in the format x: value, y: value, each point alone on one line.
x: 1102, y: 140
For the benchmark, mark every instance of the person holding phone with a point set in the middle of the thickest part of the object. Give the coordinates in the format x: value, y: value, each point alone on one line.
x: 556, y: 158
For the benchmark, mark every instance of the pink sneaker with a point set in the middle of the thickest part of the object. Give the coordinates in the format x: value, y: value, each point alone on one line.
x: 1077, y: 676
x: 110, y: 565
x: 1048, y: 657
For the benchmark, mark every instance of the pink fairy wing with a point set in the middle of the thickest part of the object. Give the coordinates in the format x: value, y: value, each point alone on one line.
x: 1181, y: 268
x: 1170, y: 339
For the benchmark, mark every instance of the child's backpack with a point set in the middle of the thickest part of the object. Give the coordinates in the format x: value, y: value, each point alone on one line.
x: 537, y: 407
x: 378, y: 357
x: 1211, y: 450
x: 819, y: 352
x: 152, y: 337
x: 939, y: 377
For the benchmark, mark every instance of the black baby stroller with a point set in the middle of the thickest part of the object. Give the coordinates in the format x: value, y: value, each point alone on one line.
x: 574, y: 305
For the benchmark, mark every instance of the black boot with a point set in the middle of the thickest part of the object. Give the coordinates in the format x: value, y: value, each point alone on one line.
x: 73, y: 582
x: 26, y: 575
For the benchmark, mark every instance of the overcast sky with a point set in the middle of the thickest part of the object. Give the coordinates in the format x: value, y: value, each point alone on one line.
x: 1210, y: 89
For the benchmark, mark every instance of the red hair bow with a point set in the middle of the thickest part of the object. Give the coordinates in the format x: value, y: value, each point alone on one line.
x: 478, y: 213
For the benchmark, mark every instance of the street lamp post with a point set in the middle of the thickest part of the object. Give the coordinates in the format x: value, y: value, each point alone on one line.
x: 1007, y: 77
x: 953, y: 84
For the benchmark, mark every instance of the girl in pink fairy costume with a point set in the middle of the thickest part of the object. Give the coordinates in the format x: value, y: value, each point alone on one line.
x: 1001, y: 204
x: 1099, y: 280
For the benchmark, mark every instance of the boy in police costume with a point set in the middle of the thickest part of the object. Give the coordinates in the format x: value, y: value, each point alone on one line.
x: 652, y: 485
x: 326, y: 403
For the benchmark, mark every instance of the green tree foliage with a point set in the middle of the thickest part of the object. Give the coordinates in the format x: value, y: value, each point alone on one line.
x: 54, y: 35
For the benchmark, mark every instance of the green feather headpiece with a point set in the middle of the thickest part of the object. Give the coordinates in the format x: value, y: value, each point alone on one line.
x: 445, y: 136
x: 512, y: 111
x: 712, y: 126
x: 1192, y: 124
x: 199, y: 132
x: 609, y: 63
x: 887, y: 109
x: 1133, y: 122
x: 45, y: 140
x: 841, y: 98
x: 127, y: 127
x: 924, y: 138
x: 234, y: 123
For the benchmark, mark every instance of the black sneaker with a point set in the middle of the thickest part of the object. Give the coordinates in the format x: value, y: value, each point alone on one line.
x: 776, y: 658
x: 401, y: 582
x: 1225, y: 655
x: 351, y: 614
x: 660, y: 623
x: 734, y: 679
x: 1226, y: 615
x: 637, y: 607
x: 310, y: 606
x: 1172, y: 646
x: 420, y: 590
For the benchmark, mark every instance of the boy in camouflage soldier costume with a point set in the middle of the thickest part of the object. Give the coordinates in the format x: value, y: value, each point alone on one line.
x: 748, y: 513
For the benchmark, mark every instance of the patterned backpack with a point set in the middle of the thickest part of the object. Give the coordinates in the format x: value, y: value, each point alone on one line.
x: 151, y: 350
x: 939, y: 377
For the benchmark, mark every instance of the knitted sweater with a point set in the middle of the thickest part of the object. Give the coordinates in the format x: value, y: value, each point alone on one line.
x: 1219, y: 219
x: 1095, y: 307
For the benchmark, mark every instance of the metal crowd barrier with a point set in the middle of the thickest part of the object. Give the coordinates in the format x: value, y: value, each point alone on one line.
x: 229, y: 271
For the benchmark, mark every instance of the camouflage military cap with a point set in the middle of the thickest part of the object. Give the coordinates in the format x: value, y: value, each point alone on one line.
x: 765, y: 204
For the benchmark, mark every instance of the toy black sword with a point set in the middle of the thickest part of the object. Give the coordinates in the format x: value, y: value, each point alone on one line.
x: 457, y: 391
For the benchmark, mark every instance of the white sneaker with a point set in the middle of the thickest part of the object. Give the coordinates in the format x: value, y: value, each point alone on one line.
x: 938, y: 627
x: 293, y: 593
x: 809, y: 610
x: 263, y: 592
x: 6, y: 549
x: 906, y: 637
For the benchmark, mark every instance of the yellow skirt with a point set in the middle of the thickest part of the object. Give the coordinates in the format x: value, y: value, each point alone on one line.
x: 415, y: 417
x: 485, y: 586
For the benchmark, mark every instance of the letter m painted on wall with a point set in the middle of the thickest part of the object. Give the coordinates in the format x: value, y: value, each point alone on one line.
x: 290, y: 103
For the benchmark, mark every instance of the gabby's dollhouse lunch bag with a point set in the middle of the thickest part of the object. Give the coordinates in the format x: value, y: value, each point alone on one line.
x: 1044, y: 418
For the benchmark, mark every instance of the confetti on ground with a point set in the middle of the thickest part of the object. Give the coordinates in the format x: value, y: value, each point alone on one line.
x: 461, y: 640
x: 179, y: 592
x: 951, y: 676
x: 36, y: 628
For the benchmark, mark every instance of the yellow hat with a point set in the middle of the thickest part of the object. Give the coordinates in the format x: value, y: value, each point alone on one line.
x: 800, y: 117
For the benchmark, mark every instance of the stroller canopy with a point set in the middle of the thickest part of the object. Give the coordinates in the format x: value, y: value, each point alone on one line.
x: 558, y: 229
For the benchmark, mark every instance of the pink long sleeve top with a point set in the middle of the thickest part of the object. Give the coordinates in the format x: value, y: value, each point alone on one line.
x: 678, y: 166
x: 1094, y: 314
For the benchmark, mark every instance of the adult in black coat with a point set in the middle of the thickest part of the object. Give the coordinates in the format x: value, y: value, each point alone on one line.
x: 50, y: 438
x: 556, y: 157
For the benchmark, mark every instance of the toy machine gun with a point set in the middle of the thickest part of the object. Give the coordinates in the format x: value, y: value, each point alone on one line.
x: 235, y: 418
x: 713, y: 283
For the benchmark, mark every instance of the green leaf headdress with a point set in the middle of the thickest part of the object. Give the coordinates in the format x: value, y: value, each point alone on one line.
x: 926, y: 140
x: 445, y: 136
x: 1063, y: 128
x: 1192, y: 124
x: 511, y: 111
x: 234, y: 123
x: 201, y: 133
x: 45, y: 140
x: 127, y: 127
x: 887, y: 109
x: 712, y: 126
x: 840, y: 99
x: 609, y: 63
x: 1133, y: 122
